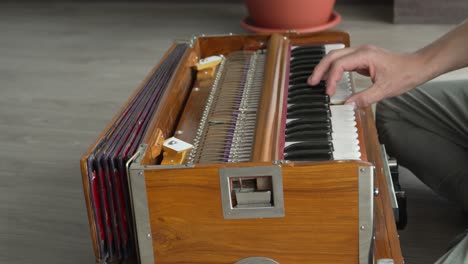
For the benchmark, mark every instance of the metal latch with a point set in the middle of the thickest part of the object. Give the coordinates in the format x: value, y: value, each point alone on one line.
x: 252, y: 192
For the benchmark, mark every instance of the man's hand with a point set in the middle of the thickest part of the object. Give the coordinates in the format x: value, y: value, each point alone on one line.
x: 391, y: 73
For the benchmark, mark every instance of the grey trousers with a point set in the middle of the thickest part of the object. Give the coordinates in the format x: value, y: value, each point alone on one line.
x: 426, y: 130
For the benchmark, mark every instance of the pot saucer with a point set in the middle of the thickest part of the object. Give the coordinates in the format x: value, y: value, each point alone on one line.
x: 335, y: 19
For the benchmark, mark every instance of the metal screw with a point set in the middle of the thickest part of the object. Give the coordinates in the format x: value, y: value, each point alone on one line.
x: 363, y: 227
x: 172, y: 142
x: 148, y: 236
x: 361, y: 169
x: 179, y: 132
x: 196, y: 89
x: 140, y: 173
x: 376, y: 191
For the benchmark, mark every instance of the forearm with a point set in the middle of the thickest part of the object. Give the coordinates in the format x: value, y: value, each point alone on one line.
x: 446, y: 54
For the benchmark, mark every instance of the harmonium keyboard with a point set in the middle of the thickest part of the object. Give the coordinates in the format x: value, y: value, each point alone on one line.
x: 225, y: 154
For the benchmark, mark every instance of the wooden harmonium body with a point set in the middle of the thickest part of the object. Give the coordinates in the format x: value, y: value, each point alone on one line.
x: 225, y: 154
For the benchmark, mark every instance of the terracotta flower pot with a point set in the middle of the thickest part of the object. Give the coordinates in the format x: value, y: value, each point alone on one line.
x: 289, y: 14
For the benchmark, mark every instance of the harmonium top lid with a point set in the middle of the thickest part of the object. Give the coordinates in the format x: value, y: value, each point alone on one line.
x: 241, y: 98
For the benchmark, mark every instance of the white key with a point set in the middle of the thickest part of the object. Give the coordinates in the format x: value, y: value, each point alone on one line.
x: 342, y: 115
x: 348, y: 129
x: 330, y: 47
x: 344, y: 136
x: 348, y: 108
x: 287, y: 144
x: 343, y: 142
x: 345, y: 156
x: 343, y: 88
x: 339, y: 119
x: 346, y: 147
x: 343, y: 123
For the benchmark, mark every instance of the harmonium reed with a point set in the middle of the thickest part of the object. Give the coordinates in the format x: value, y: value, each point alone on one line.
x: 224, y: 154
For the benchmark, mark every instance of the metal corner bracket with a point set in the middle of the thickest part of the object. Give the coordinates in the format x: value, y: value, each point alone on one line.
x: 366, y: 214
x: 139, y: 203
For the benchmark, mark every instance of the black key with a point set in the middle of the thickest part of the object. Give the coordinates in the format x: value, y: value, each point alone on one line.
x: 299, y: 73
x: 298, y: 107
x: 304, y: 91
x: 308, y: 113
x: 309, y: 156
x: 318, y: 107
x: 308, y: 47
x: 305, y: 85
x: 297, y: 52
x: 306, y: 57
x: 311, y: 114
x: 311, y: 135
x: 307, y: 54
x: 326, y: 124
x: 307, y: 127
x: 303, y: 67
x: 309, y: 146
x: 299, y: 79
x: 305, y: 60
x: 321, y: 84
x: 309, y: 98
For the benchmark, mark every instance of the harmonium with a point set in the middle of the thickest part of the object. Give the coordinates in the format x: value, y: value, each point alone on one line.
x: 224, y: 154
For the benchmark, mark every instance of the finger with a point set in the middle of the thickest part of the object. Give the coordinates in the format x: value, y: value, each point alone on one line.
x: 371, y: 95
x: 351, y: 62
x: 325, y: 63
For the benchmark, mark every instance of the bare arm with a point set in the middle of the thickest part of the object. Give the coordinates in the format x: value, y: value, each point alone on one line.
x: 394, y: 73
x: 448, y: 53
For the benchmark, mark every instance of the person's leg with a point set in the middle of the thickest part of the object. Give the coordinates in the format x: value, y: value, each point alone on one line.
x: 457, y: 254
x: 426, y: 130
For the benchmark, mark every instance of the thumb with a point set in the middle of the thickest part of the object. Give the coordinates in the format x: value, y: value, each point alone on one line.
x: 367, y: 97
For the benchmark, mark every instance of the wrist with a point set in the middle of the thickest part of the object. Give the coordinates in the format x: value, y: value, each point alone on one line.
x: 423, y: 63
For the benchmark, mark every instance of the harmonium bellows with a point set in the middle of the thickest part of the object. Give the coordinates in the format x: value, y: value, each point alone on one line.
x: 225, y: 154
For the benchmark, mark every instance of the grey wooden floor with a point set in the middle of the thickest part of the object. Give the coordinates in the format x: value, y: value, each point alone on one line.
x: 65, y: 69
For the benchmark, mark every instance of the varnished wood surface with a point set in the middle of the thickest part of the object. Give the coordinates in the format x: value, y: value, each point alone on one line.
x: 268, y: 105
x: 279, y: 127
x: 387, y: 244
x: 194, y: 108
x: 330, y: 36
x: 320, y: 223
x: 171, y: 104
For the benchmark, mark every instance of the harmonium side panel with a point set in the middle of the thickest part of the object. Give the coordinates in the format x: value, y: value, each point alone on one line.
x: 386, y: 243
x: 320, y: 224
